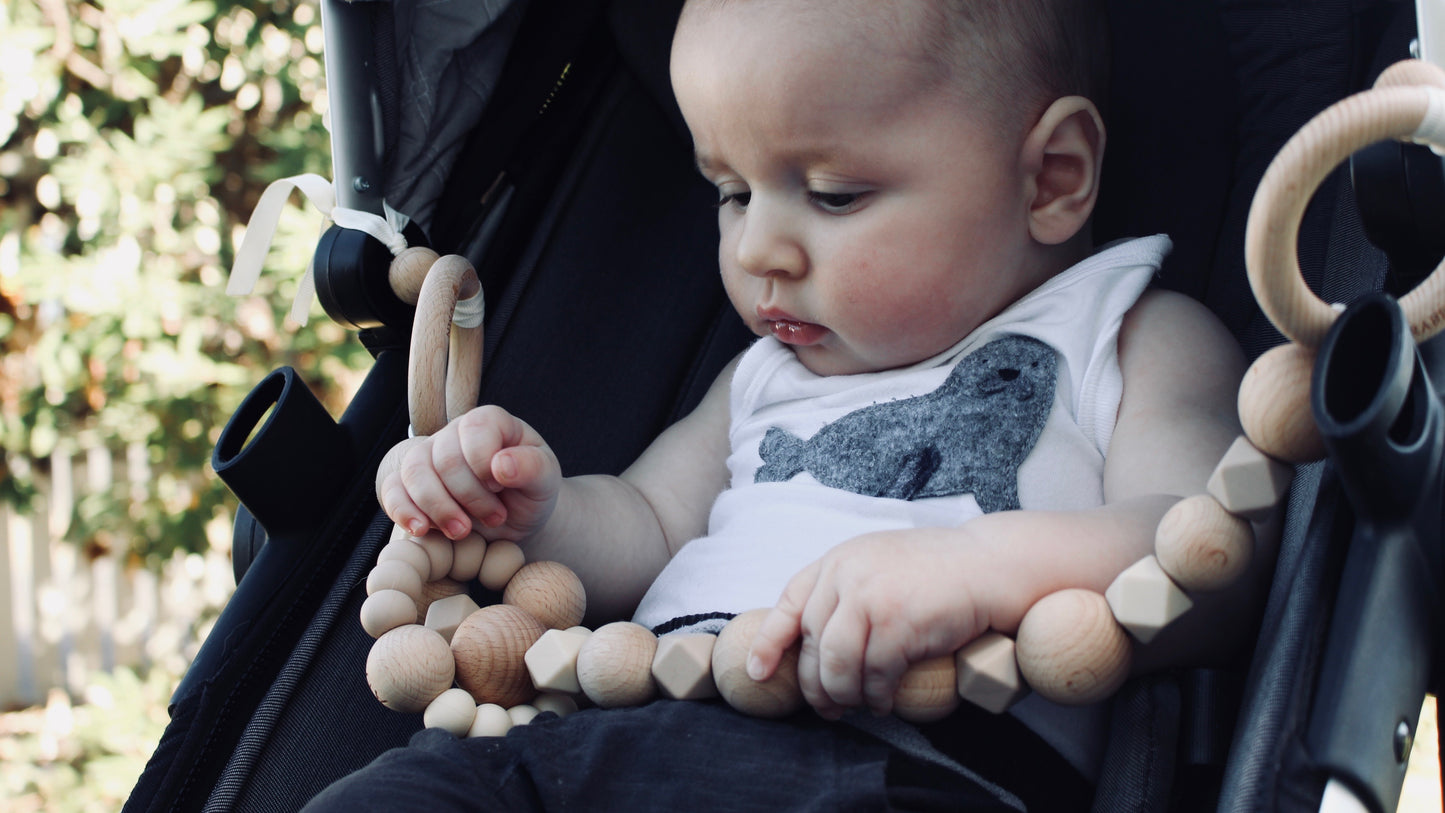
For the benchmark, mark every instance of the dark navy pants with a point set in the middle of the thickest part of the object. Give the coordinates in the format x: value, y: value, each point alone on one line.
x: 669, y: 756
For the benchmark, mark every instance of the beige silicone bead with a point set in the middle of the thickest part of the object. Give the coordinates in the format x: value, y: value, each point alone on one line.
x: 394, y: 575
x: 491, y: 721
x: 1144, y: 599
x: 1274, y: 405
x: 988, y: 673
x: 550, y: 592
x: 682, y: 666
x: 489, y: 647
x: 386, y: 610
x: 1247, y: 482
x: 467, y: 556
x: 408, y: 667
x: 522, y: 714
x: 552, y: 661
x: 614, y: 665
x: 502, y: 561
x: 1071, y: 650
x: 407, y: 551
x: 453, y: 710
x: 438, y: 553
x: 1202, y: 546
x: 778, y: 696
x: 928, y: 691
x: 559, y: 704
x: 446, y: 614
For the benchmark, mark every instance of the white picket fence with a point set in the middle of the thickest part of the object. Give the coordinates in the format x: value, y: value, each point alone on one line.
x: 65, y: 615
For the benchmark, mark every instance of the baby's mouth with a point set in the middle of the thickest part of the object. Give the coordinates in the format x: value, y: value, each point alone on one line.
x: 798, y: 334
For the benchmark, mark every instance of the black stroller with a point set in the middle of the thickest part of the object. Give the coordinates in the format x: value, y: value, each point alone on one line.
x: 539, y: 139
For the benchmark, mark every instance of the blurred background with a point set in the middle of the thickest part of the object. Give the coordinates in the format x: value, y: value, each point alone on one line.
x: 135, y: 138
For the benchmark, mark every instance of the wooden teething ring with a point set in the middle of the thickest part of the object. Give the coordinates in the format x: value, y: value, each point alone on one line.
x: 1407, y: 103
x: 444, y: 368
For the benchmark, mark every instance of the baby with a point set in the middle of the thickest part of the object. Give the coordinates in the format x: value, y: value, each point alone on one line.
x: 957, y: 406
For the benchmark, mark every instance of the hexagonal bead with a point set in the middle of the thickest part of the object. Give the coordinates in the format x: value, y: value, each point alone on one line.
x: 1144, y: 600
x: 988, y: 673
x: 552, y: 661
x: 682, y: 666
x: 446, y: 614
x: 1247, y: 482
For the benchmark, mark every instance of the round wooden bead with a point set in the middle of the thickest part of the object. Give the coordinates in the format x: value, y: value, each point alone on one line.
x: 491, y: 721
x: 1202, y: 546
x: 408, y: 270
x: 385, y: 610
x: 1274, y: 405
x: 467, y: 556
x: 550, y: 592
x: 778, y: 696
x: 408, y: 667
x: 502, y: 561
x: 407, y: 551
x: 614, y: 665
x: 1071, y: 650
x: 394, y: 575
x: 453, y: 710
x: 928, y: 691
x: 490, y: 648
x: 438, y: 553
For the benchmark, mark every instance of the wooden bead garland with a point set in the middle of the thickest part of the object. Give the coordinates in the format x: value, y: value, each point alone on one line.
x: 1072, y: 646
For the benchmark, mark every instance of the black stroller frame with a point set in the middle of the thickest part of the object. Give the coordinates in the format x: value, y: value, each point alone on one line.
x: 275, y: 707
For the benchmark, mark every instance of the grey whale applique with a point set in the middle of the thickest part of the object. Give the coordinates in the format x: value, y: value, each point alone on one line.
x: 969, y: 436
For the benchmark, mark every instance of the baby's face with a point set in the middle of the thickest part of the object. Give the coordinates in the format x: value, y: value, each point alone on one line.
x: 869, y: 219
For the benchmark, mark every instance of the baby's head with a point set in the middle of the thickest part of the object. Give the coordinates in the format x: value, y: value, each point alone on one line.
x: 891, y: 174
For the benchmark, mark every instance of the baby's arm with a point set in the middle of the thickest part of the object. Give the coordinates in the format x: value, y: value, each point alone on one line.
x: 878, y: 603
x: 490, y: 472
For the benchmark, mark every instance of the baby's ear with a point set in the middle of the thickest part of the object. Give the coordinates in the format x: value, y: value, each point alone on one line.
x: 1063, y: 154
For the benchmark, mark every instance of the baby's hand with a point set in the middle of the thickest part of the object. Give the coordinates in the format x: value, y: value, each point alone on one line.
x: 869, y: 609
x: 485, y: 468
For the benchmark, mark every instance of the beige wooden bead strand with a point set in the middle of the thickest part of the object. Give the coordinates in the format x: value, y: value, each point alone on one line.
x: 501, y: 563
x: 445, y: 361
x: 614, y: 665
x: 439, y: 554
x: 407, y: 550
x: 1274, y: 404
x: 408, y: 270
x: 550, y: 592
x: 1071, y: 650
x: 385, y: 610
x: 490, y: 648
x: 467, y: 556
x: 394, y: 574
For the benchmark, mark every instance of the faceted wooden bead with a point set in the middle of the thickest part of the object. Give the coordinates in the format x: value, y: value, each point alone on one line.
x: 490, y: 649
x: 434, y: 591
x: 552, y: 661
x: 614, y: 665
x: 682, y: 666
x: 928, y: 691
x: 1071, y: 650
x: 1145, y: 600
x: 408, y: 667
x: 446, y: 614
x: 550, y: 592
x: 778, y: 696
x: 988, y: 673
x: 1202, y: 546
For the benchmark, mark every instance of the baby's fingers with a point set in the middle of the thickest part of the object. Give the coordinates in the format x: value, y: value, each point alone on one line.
x: 531, y: 470
x: 782, y: 626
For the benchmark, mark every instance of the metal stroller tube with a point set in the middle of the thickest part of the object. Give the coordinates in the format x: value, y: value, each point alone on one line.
x: 1384, y: 426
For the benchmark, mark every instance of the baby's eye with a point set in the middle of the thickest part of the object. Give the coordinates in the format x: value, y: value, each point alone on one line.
x: 737, y: 199
x: 838, y: 203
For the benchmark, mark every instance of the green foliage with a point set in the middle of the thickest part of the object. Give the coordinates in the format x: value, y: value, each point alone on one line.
x: 135, y: 139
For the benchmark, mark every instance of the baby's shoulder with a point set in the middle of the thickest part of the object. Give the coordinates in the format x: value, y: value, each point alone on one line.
x: 1171, y: 335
